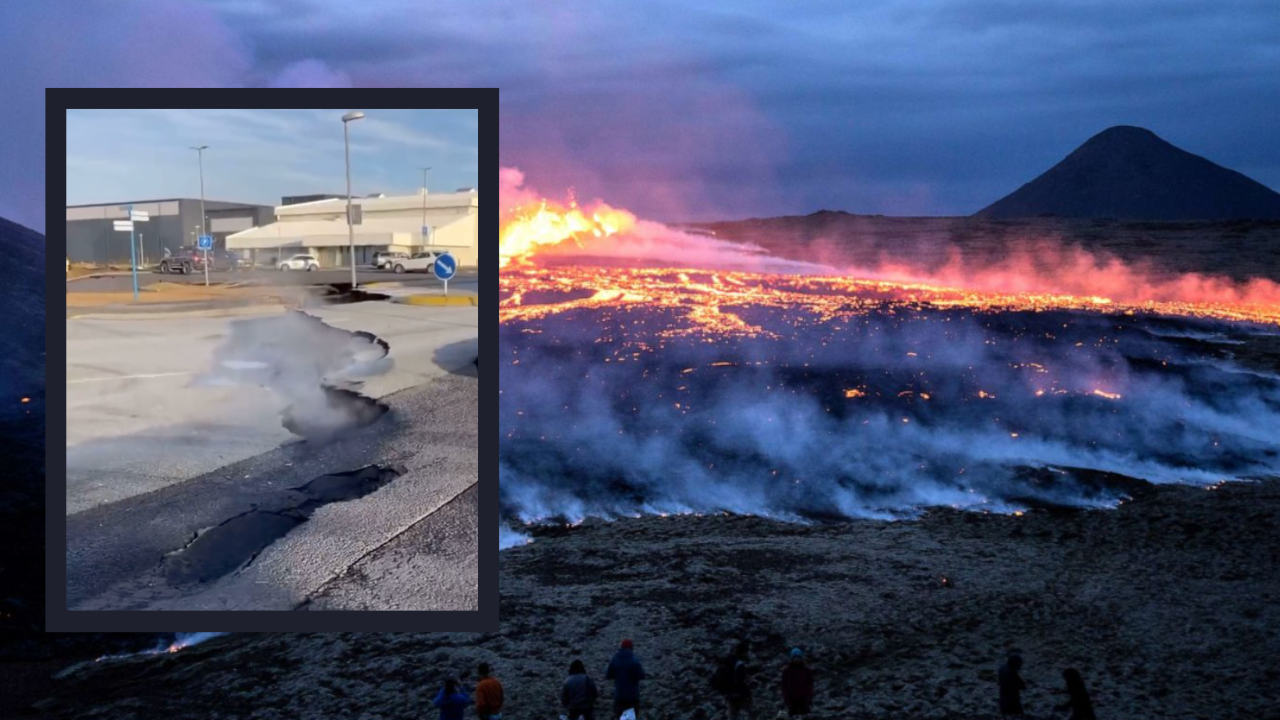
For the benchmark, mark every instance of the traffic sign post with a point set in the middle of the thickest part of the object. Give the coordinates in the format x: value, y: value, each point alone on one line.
x: 206, y: 242
x: 135, y: 216
x: 444, y: 267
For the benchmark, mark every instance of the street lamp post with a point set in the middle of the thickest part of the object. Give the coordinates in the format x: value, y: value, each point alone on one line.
x: 351, y: 232
x: 424, y: 205
x: 200, y: 152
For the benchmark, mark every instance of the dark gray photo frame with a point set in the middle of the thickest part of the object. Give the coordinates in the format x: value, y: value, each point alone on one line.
x: 485, y: 619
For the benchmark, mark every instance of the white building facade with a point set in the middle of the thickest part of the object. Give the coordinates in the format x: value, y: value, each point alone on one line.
x: 405, y: 223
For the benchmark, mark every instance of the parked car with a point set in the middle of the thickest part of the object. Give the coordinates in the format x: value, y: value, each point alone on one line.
x: 418, y: 262
x: 300, y: 262
x: 384, y: 260
x: 232, y: 260
x: 188, y: 260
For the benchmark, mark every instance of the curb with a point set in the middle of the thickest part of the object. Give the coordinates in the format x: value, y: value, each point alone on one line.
x: 438, y: 300
x: 210, y: 312
x: 109, y: 273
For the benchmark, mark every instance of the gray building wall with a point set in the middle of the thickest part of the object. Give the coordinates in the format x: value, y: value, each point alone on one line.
x: 90, y: 237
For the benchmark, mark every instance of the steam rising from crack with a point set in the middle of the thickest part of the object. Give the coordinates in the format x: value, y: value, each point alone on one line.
x: 313, y: 366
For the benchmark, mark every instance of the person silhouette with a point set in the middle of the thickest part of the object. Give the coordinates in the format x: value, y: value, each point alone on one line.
x: 452, y: 700
x: 578, y: 694
x: 626, y: 672
x: 797, y: 685
x: 1077, y: 697
x: 1011, y: 686
x: 488, y: 695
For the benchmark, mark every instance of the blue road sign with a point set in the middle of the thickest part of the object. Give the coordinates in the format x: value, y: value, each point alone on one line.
x: 206, y: 242
x: 445, y: 266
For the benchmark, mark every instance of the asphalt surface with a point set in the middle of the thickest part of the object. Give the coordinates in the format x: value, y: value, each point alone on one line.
x: 124, y: 282
x: 409, y: 545
x: 135, y: 424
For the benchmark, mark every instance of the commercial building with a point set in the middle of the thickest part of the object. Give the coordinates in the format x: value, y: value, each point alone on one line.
x: 174, y: 223
x: 298, y: 199
x: 405, y: 223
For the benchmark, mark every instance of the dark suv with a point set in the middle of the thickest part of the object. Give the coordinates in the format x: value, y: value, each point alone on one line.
x: 188, y: 260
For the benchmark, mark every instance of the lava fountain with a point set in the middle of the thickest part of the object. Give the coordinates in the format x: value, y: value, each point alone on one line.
x: 642, y: 389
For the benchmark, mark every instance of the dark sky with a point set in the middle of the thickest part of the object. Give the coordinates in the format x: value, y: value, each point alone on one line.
x: 697, y: 109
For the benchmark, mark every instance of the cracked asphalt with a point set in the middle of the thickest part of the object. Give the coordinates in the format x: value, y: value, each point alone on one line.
x: 152, y: 462
x: 409, y: 545
x: 135, y: 424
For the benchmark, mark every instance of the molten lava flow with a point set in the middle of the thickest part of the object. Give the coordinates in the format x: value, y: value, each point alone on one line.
x: 714, y: 303
x: 1034, y: 276
x: 524, y: 230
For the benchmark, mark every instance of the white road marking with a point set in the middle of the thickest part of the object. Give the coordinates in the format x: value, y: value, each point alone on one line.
x: 130, y: 377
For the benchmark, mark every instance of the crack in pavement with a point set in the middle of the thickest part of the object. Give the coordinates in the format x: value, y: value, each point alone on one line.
x: 321, y: 588
x: 233, y: 544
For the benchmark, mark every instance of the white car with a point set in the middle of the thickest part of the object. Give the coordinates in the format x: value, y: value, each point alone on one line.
x: 421, y: 262
x: 300, y: 262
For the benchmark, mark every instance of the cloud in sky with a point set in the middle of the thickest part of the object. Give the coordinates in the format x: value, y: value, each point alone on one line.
x: 261, y: 155
x: 693, y: 108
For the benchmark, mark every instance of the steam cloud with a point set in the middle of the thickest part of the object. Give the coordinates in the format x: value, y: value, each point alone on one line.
x: 602, y: 414
x: 170, y: 643
x: 313, y: 366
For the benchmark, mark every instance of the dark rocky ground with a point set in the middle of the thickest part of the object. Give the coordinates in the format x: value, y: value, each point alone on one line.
x: 1169, y: 606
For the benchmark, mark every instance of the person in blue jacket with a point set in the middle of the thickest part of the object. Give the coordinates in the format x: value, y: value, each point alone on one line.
x: 626, y: 673
x: 452, y: 700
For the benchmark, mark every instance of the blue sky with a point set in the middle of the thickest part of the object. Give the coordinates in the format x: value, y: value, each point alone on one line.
x: 699, y: 109
x: 260, y: 155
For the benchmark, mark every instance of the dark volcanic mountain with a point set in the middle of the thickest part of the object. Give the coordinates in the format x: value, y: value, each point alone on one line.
x: 22, y: 271
x: 1130, y: 173
x: 22, y: 378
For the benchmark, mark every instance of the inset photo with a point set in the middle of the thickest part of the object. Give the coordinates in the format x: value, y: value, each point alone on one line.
x: 272, y: 362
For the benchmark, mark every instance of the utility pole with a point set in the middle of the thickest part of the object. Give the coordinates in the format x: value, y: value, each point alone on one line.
x: 424, y: 205
x: 351, y: 232
x: 200, y: 152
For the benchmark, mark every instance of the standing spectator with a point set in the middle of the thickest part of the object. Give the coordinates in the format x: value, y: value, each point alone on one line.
x: 452, y: 700
x: 797, y: 685
x: 731, y: 681
x: 1078, y: 701
x: 579, y: 693
x: 488, y: 695
x: 1011, y: 686
x: 626, y: 673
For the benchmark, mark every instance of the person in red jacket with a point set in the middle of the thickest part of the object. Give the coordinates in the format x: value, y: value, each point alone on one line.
x: 488, y: 695
x: 797, y: 685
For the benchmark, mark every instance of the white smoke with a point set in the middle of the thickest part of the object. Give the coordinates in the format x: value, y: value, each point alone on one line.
x: 186, y: 640
x: 1021, y: 408
x: 508, y: 538
x: 180, y: 641
x: 311, y: 365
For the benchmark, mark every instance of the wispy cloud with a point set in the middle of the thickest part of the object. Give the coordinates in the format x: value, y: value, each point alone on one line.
x: 261, y: 155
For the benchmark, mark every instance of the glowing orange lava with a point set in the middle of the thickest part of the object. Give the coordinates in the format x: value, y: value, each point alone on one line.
x: 711, y: 301
x: 526, y: 229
